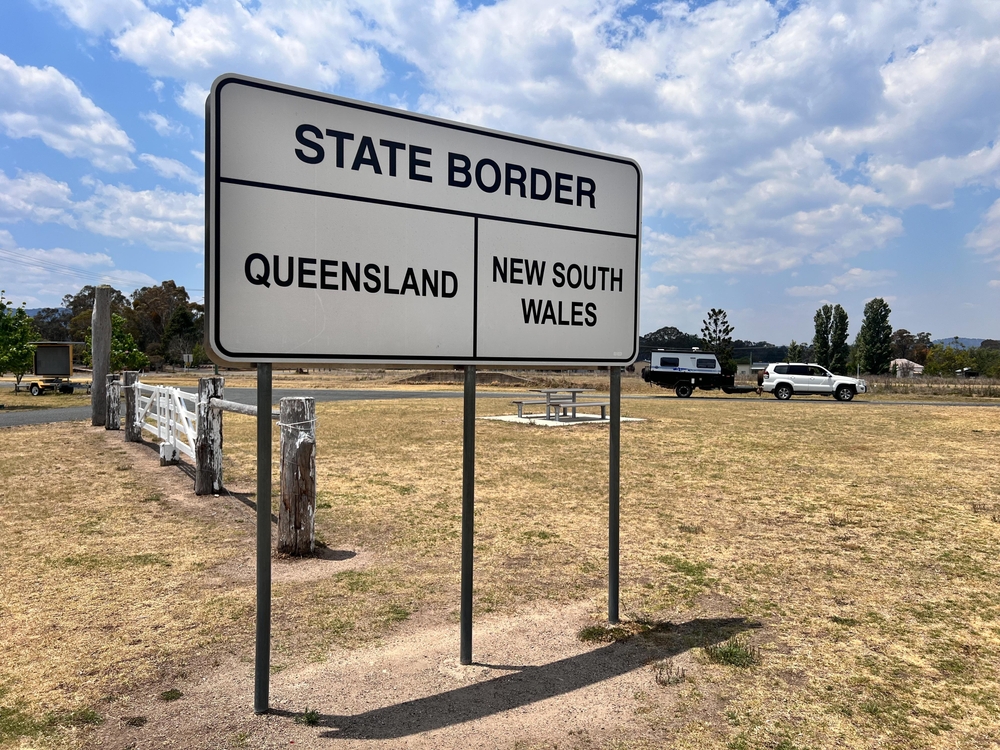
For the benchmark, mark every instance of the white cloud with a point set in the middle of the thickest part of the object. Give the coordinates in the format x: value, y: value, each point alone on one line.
x: 985, y: 238
x: 660, y: 302
x: 159, y: 218
x: 853, y: 278
x: 172, y: 169
x: 812, y: 291
x: 164, y: 126
x: 994, y: 284
x: 323, y: 44
x: 192, y: 98
x: 199, y: 155
x: 35, y: 197
x: 43, y: 103
x: 781, y: 139
x: 41, y: 277
x: 859, y: 277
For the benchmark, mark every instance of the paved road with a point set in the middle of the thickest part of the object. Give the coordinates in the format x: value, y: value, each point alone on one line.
x: 249, y: 396
x: 243, y: 396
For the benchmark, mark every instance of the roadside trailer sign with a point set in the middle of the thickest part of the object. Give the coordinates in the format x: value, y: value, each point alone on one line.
x: 340, y: 231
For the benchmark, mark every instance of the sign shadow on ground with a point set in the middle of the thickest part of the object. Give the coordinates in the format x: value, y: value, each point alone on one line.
x: 530, y: 684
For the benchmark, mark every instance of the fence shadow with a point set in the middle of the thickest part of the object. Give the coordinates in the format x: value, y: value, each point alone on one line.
x: 529, y: 684
x: 189, y: 470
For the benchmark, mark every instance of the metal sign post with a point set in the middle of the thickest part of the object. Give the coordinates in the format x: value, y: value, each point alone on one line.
x: 614, y: 491
x: 262, y: 654
x: 468, y: 511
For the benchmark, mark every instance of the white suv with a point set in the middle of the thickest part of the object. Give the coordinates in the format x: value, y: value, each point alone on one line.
x: 785, y: 378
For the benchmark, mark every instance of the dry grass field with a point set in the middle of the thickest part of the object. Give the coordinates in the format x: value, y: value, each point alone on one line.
x: 858, y: 543
x: 24, y: 401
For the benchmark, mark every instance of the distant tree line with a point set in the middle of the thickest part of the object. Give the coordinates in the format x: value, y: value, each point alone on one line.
x: 154, y: 326
x: 873, y: 352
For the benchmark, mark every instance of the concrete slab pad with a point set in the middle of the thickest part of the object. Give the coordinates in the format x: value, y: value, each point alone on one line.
x: 564, y: 422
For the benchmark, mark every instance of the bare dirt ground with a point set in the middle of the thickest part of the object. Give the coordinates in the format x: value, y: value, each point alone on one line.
x: 533, y: 684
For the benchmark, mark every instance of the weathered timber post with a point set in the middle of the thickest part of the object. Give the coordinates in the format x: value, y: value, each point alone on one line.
x: 208, y: 443
x: 133, y: 431
x: 112, y: 419
x: 297, y: 510
x: 100, y: 354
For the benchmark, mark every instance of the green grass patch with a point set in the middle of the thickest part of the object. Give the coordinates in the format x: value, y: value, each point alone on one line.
x: 736, y: 652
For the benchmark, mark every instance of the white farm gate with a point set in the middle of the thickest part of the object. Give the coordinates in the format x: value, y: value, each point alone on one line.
x: 171, y: 416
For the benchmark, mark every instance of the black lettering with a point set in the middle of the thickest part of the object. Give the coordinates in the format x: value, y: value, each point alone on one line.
x: 291, y: 272
x: 393, y: 147
x: 617, y: 278
x: 415, y: 162
x: 589, y: 192
x: 497, y: 269
x: 303, y: 272
x: 550, y: 313
x: 388, y: 290
x: 366, y: 147
x: 260, y: 279
x: 327, y: 270
x: 459, y: 164
x: 558, y: 277
x: 426, y: 280
x: 410, y: 282
x: 479, y: 175
x: 569, y: 276
x: 591, y: 314
x: 341, y: 136
x: 445, y: 275
x: 535, y: 272
x: 591, y: 284
x: 518, y: 180
x: 374, y: 283
x: 354, y: 279
x: 560, y: 188
x: 300, y: 136
x: 530, y: 310
x: 535, y: 174
x: 516, y: 267
x: 577, y: 312
x: 604, y: 274
x: 561, y: 321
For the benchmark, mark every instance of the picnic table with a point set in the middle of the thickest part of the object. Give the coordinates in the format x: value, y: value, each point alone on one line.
x: 560, y: 401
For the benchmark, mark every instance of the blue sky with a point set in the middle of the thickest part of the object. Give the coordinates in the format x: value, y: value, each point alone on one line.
x: 794, y: 153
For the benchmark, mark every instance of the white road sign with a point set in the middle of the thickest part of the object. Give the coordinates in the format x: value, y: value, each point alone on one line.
x: 340, y: 231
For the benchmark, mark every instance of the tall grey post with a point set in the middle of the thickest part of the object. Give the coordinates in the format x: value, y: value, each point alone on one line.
x: 208, y: 442
x: 614, y: 490
x: 113, y: 418
x: 297, y: 509
x: 468, y: 513
x: 133, y: 430
x: 262, y: 648
x: 100, y: 354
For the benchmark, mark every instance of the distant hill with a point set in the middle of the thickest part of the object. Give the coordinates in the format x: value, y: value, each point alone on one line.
x: 966, y: 342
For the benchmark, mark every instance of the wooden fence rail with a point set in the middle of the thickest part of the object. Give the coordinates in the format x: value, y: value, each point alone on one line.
x: 192, y: 424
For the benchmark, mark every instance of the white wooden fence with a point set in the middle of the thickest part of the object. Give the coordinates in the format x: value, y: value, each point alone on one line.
x: 191, y: 424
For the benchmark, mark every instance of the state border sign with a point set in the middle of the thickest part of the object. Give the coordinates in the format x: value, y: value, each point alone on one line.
x: 341, y: 231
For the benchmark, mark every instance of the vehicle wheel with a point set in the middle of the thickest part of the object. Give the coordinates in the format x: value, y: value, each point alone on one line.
x: 34, y: 390
x: 683, y: 390
x: 783, y: 392
x: 845, y: 393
